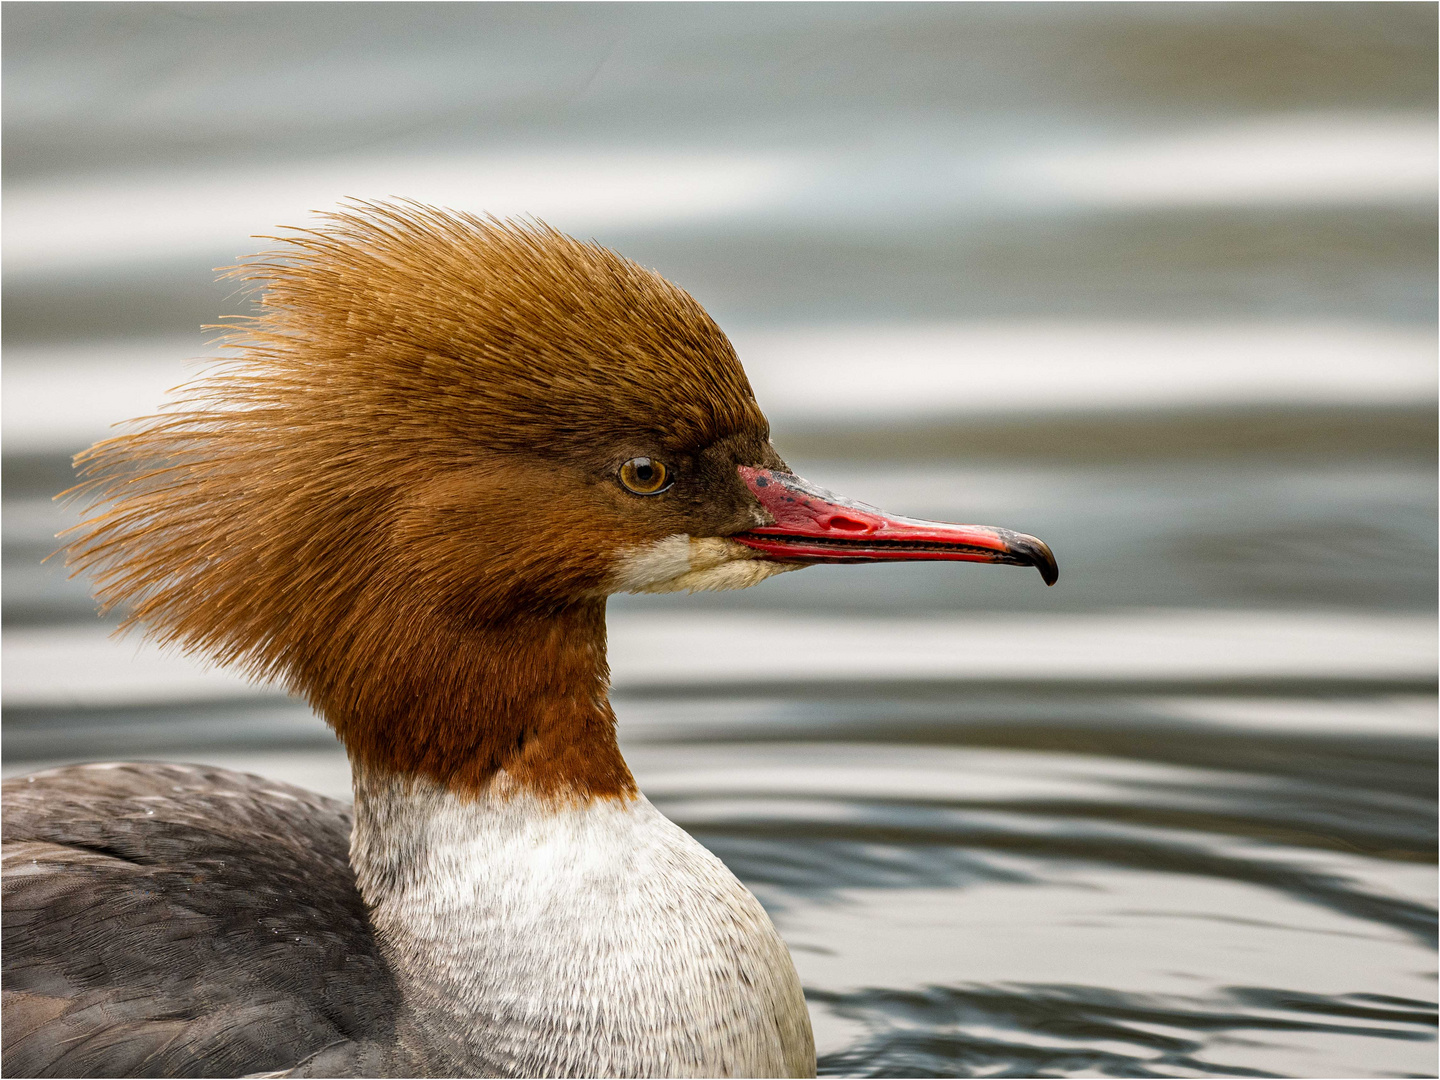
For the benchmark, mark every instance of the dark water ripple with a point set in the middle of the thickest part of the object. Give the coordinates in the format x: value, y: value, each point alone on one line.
x: 1059, y: 899
x: 932, y: 1032
x: 874, y: 858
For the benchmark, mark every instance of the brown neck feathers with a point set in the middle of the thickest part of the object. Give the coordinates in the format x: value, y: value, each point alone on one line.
x: 465, y: 705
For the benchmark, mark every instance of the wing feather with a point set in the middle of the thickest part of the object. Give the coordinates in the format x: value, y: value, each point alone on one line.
x: 178, y: 920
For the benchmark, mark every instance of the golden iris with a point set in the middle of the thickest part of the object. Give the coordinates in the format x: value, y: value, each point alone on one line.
x: 644, y: 476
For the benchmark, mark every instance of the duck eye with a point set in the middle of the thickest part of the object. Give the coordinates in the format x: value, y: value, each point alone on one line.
x: 645, y: 476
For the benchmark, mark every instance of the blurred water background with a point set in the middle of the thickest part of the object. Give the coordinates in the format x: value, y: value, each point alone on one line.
x: 1155, y: 282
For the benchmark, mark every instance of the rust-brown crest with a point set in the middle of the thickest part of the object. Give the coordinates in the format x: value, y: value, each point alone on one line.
x: 382, y: 499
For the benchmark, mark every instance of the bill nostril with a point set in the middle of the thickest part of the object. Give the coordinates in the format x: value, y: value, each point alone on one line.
x: 845, y: 524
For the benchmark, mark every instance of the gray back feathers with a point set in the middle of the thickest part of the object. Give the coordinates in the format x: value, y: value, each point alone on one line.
x: 174, y: 920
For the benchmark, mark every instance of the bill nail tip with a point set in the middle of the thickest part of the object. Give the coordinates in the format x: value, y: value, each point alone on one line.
x: 1046, y: 564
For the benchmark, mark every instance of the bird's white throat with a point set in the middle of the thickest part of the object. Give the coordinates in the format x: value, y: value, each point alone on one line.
x: 532, y: 937
x: 683, y: 563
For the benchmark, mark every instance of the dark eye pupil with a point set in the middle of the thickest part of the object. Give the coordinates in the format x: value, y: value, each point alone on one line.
x: 644, y: 476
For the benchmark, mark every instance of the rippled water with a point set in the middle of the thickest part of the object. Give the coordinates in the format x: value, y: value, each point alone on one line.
x: 1040, y: 896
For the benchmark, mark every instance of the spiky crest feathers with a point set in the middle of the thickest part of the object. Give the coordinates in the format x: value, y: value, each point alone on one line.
x: 388, y: 497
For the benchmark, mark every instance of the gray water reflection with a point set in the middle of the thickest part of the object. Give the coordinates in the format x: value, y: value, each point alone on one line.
x: 957, y: 909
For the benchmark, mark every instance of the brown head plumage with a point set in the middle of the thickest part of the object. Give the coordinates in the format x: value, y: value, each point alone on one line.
x: 398, y: 497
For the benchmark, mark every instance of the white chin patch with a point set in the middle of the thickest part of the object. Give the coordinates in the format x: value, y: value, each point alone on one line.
x: 689, y: 564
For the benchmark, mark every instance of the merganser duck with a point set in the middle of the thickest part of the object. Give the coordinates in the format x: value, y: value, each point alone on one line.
x: 444, y: 442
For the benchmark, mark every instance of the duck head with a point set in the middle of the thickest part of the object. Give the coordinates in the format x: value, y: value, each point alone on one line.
x: 441, y: 442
